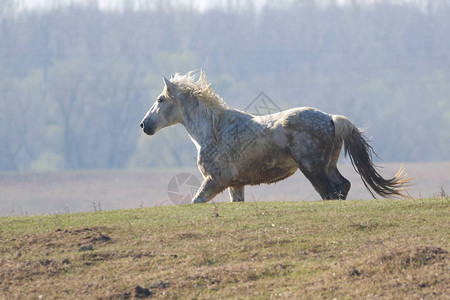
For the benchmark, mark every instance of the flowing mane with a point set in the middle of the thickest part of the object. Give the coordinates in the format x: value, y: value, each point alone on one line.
x: 199, y: 88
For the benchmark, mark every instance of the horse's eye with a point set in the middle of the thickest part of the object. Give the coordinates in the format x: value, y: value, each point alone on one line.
x: 160, y: 100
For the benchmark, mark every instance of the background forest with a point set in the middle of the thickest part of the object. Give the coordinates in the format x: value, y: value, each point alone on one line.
x: 76, y: 79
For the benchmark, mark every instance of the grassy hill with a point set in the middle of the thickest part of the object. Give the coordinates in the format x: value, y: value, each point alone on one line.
x: 339, y: 249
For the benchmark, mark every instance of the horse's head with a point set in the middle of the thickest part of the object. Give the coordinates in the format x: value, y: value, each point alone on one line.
x: 166, y: 110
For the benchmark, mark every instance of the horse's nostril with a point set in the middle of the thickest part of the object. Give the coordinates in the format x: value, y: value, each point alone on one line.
x: 142, y: 125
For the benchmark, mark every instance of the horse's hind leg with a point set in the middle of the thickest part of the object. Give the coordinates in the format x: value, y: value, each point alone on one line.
x: 314, y: 166
x: 312, y: 145
x: 321, y: 182
x: 236, y: 193
x: 341, y: 184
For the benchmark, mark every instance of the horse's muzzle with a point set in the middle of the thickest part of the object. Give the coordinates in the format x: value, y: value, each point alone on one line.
x: 147, y: 129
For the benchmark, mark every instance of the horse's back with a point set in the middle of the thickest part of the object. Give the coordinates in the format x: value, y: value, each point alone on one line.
x: 299, y: 125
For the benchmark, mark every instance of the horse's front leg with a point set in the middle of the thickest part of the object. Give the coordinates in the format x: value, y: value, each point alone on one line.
x: 208, y: 190
x: 236, y: 193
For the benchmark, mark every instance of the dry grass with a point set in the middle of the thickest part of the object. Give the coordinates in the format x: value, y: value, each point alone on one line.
x: 343, y: 249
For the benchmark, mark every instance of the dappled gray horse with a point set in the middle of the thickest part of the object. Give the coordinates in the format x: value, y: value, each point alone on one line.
x: 237, y: 149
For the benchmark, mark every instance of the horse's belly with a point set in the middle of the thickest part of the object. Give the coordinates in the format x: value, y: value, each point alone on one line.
x: 267, y: 171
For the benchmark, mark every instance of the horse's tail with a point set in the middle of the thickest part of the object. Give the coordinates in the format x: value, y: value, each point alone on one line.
x: 356, y: 145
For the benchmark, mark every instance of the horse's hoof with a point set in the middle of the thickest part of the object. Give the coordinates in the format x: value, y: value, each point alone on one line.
x: 335, y: 196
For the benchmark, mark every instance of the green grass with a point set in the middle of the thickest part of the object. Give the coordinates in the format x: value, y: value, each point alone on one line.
x: 334, y: 249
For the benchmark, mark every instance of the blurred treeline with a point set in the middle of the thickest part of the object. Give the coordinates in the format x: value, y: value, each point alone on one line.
x: 76, y: 80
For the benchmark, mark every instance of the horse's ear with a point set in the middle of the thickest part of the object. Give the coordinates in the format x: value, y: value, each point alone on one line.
x: 169, y: 85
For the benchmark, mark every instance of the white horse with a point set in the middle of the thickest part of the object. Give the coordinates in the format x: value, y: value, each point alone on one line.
x: 237, y: 149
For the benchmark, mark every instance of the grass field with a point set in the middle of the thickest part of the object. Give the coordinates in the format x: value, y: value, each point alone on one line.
x: 388, y: 249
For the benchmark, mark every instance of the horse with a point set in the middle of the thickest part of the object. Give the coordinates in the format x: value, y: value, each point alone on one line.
x: 236, y: 148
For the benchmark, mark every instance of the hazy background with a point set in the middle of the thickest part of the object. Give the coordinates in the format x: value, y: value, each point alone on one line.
x: 76, y: 77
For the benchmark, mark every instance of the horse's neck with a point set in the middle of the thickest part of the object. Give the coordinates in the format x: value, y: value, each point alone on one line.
x: 199, y: 123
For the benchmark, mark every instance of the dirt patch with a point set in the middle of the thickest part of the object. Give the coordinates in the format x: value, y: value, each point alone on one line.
x: 140, y: 292
x: 81, y: 230
x: 354, y: 272
x: 188, y: 236
x: 91, y: 258
x: 416, y: 257
x: 88, y: 247
x: 101, y: 238
x: 160, y: 285
x: 47, y: 262
x: 12, y: 270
